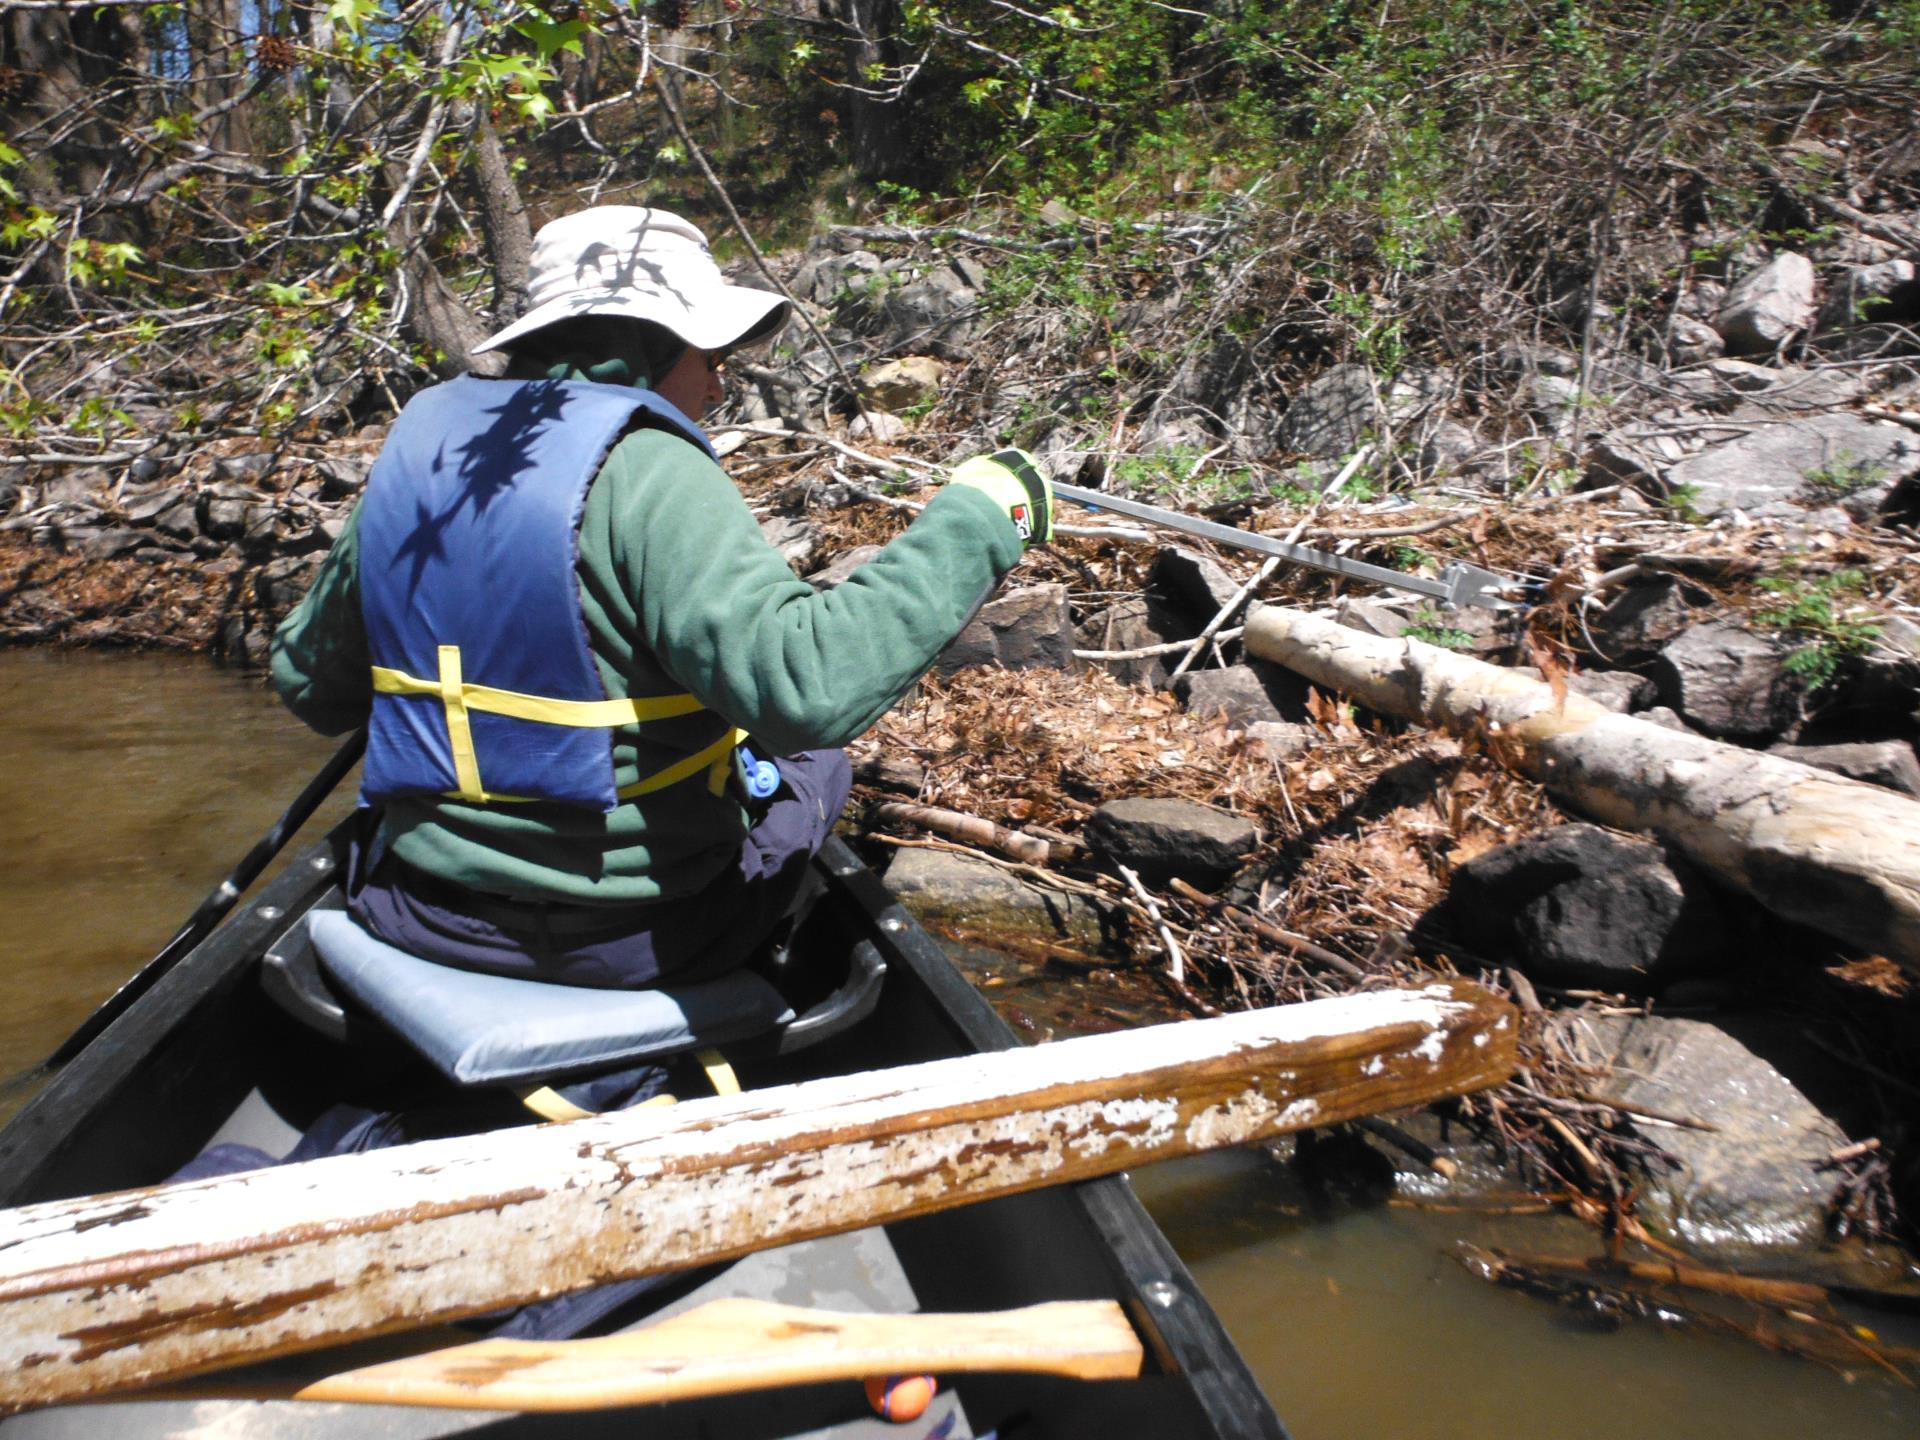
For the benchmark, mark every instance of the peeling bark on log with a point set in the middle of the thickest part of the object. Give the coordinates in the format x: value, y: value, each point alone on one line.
x: 112, y: 1292
x: 1836, y: 854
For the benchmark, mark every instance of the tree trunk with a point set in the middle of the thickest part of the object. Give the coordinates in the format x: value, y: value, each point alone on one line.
x: 503, y: 220
x: 109, y: 1292
x: 1839, y: 855
x: 875, y: 128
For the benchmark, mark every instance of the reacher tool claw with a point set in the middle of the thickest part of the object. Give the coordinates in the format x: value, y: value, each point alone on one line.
x: 1459, y: 584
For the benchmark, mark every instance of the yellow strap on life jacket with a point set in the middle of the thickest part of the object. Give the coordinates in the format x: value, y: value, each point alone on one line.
x: 583, y: 714
x: 459, y: 698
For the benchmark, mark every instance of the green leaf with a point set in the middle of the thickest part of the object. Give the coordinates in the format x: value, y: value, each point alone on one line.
x: 352, y: 15
x: 549, y: 38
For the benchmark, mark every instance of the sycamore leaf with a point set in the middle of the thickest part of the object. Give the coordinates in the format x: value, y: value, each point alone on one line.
x: 550, y: 38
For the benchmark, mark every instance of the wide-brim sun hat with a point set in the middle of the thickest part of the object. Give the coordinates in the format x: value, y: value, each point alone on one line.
x: 643, y: 264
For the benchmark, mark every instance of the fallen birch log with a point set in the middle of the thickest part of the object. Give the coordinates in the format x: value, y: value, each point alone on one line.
x: 108, y: 1293
x: 1837, y: 854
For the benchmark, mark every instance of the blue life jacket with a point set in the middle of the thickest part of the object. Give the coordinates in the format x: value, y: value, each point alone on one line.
x: 484, y: 686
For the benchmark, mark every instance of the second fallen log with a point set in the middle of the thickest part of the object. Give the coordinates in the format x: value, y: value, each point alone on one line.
x: 112, y: 1292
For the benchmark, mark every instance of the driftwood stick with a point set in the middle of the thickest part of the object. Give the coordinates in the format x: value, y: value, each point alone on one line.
x: 1177, y: 958
x: 109, y: 1293
x: 1147, y: 652
x: 971, y: 828
x: 1442, y: 1165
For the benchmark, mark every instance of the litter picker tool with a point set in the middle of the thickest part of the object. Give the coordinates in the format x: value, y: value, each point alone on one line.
x: 1459, y: 584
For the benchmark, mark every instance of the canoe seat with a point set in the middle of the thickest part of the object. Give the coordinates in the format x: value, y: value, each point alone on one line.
x: 494, y: 1030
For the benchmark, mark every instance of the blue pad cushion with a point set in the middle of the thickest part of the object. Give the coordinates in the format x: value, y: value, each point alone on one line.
x: 492, y: 1030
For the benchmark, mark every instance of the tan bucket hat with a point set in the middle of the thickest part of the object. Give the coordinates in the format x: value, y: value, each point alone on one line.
x: 644, y: 264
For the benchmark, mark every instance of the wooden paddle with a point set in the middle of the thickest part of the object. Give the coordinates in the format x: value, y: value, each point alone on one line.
x: 728, y: 1346
x: 113, y: 1292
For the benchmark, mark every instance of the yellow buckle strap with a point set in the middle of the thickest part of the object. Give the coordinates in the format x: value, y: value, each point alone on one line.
x: 453, y: 695
x: 716, y: 759
x: 459, y: 698
x: 580, y: 714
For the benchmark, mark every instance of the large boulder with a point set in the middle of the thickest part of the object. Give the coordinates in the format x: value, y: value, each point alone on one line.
x: 1873, y: 293
x: 1580, y: 906
x: 1878, y: 762
x: 1755, y: 1187
x: 1729, y: 682
x: 1769, y: 305
x: 1021, y: 630
x: 1330, y: 417
x: 1638, y: 622
x: 1796, y: 460
x: 1162, y: 839
x: 1136, y: 623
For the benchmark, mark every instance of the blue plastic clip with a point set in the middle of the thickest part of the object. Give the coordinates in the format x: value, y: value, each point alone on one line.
x: 763, y: 776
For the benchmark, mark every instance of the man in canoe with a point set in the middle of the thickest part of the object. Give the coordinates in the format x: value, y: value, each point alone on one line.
x: 576, y: 653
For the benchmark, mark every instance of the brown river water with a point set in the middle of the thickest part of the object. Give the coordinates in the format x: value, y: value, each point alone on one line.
x: 131, y: 784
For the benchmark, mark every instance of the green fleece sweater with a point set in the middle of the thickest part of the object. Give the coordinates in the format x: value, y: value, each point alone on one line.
x: 680, y: 592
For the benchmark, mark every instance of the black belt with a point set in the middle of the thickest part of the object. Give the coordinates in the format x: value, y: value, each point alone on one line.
x: 527, y: 917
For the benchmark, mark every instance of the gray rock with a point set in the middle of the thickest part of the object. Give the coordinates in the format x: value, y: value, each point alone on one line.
x: 1551, y: 399
x: 1887, y: 291
x: 836, y: 570
x: 829, y: 279
x: 1136, y: 623
x: 342, y: 476
x: 948, y: 892
x: 1794, y: 459
x: 1729, y: 683
x: 229, y: 512
x: 1329, y: 418
x: 1693, y: 341
x: 145, y: 508
x: 1469, y: 630
x: 937, y: 309
x: 1520, y: 359
x: 180, y: 520
x: 1619, y: 690
x: 1639, y: 461
x: 101, y: 542
x: 241, y: 468
x: 1752, y: 1187
x: 1373, y: 617
x: 1021, y: 630
x: 1579, y: 906
x: 1878, y: 762
x: 1283, y: 741
x: 1249, y: 693
x: 1194, y: 583
x: 1162, y: 839
x: 1766, y: 307
x: 279, y: 585
x: 879, y: 426
x: 797, y: 540
x: 910, y: 380
x: 1449, y: 445
x: 1666, y: 718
